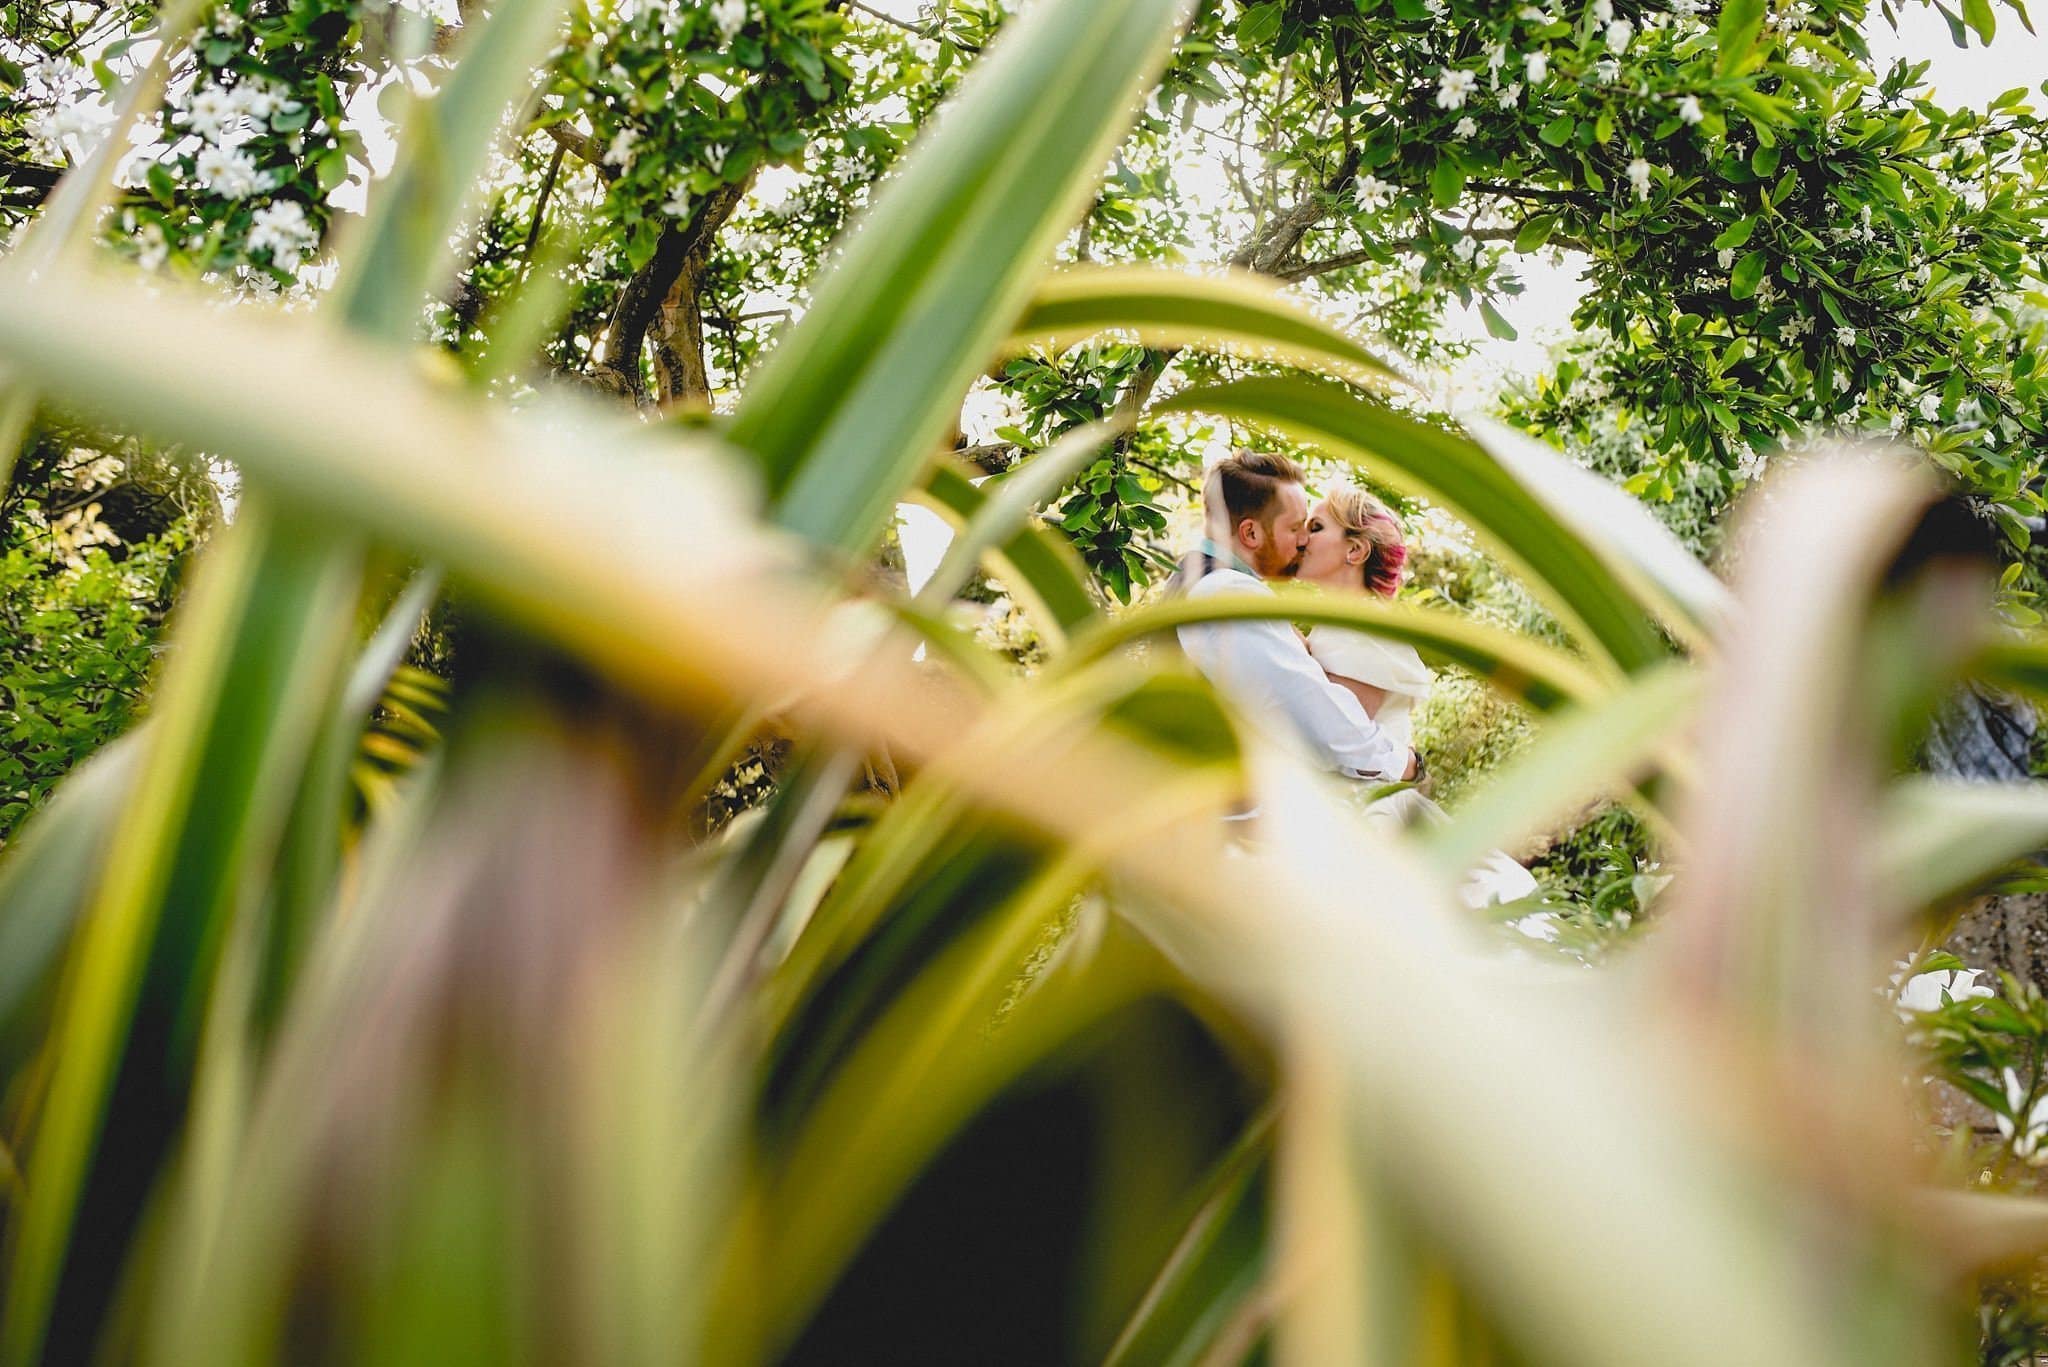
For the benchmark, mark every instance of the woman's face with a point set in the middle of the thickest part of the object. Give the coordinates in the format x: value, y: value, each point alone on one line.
x: 1327, y: 558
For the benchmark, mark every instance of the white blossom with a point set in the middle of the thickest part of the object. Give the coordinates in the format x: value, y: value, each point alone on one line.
x: 1453, y: 87
x: 1603, y: 11
x: 228, y: 172
x: 259, y: 101
x: 1607, y: 71
x: 76, y: 127
x: 152, y: 250
x: 1639, y: 177
x: 1930, y: 405
x: 1373, y: 194
x: 283, y: 230
x: 2026, y: 1142
x: 1931, y: 991
x: 1726, y: 257
x: 1466, y: 127
x: 1845, y: 336
x: 1689, y: 110
x: 212, y: 113
x: 677, y: 205
x: 1511, y: 95
x: 621, y: 151
x: 714, y: 156
x: 1618, y: 34
x: 1496, y: 57
x: 1466, y: 248
x: 1536, y: 66
x: 728, y: 16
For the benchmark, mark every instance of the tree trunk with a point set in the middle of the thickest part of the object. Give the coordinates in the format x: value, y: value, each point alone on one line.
x: 648, y: 294
x: 680, y: 374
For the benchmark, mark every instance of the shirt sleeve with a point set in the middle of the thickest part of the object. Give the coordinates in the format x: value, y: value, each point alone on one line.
x: 1265, y: 667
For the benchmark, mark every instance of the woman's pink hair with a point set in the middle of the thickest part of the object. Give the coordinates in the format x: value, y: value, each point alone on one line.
x: 1365, y: 518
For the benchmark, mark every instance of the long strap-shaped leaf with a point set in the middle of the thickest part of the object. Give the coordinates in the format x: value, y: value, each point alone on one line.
x: 860, y: 392
x: 1519, y: 667
x: 228, y: 730
x: 1456, y: 473
x: 1582, y: 754
x: 1235, y: 310
x: 1216, y: 1262
x: 1594, y: 1155
x: 1942, y: 838
x: 1038, y: 565
x: 1664, y: 576
x: 1021, y: 491
x: 206, y: 817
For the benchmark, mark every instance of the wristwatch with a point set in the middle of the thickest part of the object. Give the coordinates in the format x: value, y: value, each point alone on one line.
x: 1421, y: 766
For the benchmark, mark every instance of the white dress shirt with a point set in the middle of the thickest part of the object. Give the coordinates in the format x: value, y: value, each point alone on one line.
x: 1265, y: 668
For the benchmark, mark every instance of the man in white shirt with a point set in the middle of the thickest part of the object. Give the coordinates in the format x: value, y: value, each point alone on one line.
x: 1256, y: 511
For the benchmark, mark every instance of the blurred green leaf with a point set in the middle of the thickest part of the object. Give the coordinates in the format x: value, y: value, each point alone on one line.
x: 846, y: 411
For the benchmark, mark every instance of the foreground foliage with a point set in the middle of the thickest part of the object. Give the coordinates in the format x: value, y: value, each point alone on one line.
x: 528, y: 1071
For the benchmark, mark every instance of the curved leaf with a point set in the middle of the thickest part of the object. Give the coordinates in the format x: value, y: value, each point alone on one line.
x: 1686, y: 597
x: 1038, y: 566
x: 1521, y: 668
x: 1011, y: 499
x: 1581, y: 754
x: 1236, y: 311
x: 1941, y: 839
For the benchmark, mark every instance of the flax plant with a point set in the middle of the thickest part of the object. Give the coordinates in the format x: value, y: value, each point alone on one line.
x: 531, y: 1070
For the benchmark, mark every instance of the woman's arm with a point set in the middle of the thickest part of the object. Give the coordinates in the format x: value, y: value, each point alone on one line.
x: 1369, y: 697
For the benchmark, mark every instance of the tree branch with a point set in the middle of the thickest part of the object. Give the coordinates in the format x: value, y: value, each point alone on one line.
x: 1307, y: 270
x: 583, y: 147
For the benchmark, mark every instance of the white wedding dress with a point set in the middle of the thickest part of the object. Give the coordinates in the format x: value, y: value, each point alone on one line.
x: 1397, y: 669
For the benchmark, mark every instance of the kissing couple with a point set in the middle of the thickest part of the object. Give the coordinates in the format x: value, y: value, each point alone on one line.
x: 1347, y: 696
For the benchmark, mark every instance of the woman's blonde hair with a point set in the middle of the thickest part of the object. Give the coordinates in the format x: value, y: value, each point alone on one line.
x: 1366, y: 519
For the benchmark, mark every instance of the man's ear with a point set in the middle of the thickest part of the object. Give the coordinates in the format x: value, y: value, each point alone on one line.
x: 1249, y: 531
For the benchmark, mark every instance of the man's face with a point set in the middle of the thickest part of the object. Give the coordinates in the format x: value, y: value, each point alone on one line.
x: 1274, y: 546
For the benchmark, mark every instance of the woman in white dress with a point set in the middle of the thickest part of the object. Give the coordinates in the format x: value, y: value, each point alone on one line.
x: 1355, y: 545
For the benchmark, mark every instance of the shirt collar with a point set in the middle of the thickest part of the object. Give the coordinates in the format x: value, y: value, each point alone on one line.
x: 1226, y: 558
